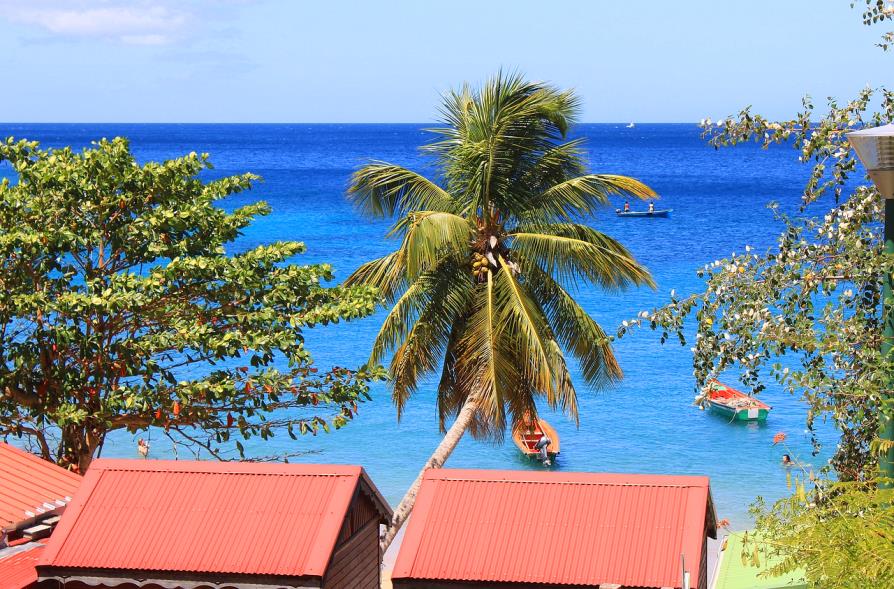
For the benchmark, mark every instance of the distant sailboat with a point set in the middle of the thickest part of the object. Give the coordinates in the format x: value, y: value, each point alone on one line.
x: 631, y: 125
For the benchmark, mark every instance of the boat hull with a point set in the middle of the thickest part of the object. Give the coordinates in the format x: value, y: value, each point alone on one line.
x: 526, y: 436
x: 738, y: 414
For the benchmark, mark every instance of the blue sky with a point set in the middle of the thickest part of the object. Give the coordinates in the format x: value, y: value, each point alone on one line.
x: 388, y: 61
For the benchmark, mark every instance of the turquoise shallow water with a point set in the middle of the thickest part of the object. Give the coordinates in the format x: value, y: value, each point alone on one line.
x: 645, y: 424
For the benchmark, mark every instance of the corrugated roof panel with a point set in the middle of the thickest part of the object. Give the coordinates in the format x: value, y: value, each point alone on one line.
x: 17, y: 570
x: 556, y: 528
x: 28, y: 483
x: 213, y: 517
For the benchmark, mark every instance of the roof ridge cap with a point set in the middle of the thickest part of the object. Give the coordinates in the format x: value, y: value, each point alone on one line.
x: 200, y: 471
x: 567, y: 482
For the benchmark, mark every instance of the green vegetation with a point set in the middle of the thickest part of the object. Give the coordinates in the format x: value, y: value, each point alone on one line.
x: 489, y: 249
x: 121, y: 310
x: 808, y: 314
x: 841, y: 534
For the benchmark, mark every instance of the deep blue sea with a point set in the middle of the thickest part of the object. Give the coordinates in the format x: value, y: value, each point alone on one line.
x: 645, y: 424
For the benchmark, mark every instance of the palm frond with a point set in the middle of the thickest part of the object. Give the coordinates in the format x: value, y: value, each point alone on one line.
x: 387, y: 273
x: 493, y: 136
x: 420, y: 329
x: 564, y: 395
x: 541, y: 365
x: 481, y: 369
x: 521, y: 319
x: 572, y: 252
x: 490, y: 360
x: 555, y: 165
x: 381, y: 190
x: 575, y: 330
x: 452, y: 396
x: 416, y: 356
x: 584, y: 195
x: 429, y: 236
x: 400, y: 319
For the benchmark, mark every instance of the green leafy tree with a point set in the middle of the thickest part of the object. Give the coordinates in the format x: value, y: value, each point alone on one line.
x: 489, y: 249
x: 120, y: 309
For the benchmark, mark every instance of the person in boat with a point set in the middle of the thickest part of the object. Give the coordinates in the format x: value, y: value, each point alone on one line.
x: 541, y: 445
x: 651, y: 207
x: 786, y: 460
x: 626, y: 206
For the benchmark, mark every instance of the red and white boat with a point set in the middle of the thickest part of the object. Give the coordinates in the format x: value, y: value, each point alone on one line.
x: 735, y: 404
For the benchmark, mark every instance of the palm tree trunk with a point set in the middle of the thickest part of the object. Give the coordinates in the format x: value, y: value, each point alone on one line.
x: 437, y: 460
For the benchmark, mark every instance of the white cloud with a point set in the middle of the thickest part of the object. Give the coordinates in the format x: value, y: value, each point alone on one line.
x: 154, y: 39
x: 132, y: 22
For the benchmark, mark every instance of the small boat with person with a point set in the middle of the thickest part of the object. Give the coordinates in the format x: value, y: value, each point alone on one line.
x: 734, y: 404
x: 528, y: 434
x: 655, y: 213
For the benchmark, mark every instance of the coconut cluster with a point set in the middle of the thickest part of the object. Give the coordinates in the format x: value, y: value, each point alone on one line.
x: 479, y: 266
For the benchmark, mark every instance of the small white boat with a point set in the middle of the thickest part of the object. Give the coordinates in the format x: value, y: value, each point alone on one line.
x: 631, y: 125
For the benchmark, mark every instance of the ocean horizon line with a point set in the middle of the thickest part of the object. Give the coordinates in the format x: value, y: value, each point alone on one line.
x: 355, y: 123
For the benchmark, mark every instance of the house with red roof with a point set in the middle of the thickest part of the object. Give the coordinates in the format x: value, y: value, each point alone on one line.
x: 33, y: 493
x: 489, y: 528
x: 32, y: 490
x: 189, y: 524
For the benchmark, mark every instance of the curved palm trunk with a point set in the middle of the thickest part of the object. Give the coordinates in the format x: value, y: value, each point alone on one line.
x: 437, y: 460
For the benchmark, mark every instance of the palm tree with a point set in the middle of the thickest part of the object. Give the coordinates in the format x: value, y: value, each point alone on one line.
x: 479, y: 287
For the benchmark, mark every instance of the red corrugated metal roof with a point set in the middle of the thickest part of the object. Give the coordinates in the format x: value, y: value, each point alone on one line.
x: 17, y: 570
x: 30, y: 486
x: 556, y: 528
x: 207, y: 517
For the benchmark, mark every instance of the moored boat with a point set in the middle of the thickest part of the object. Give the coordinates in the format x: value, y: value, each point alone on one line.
x: 527, y: 434
x: 656, y: 213
x: 734, y: 404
